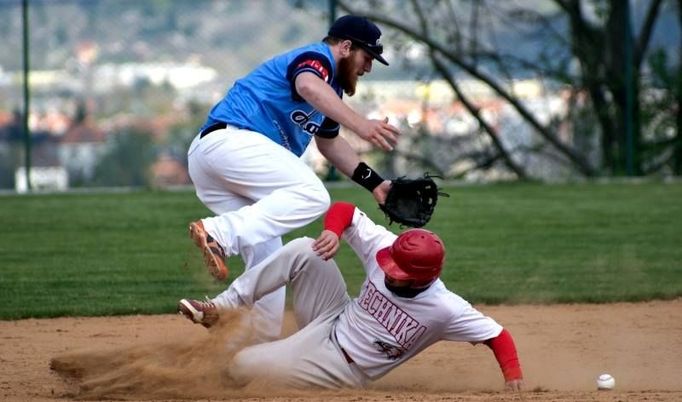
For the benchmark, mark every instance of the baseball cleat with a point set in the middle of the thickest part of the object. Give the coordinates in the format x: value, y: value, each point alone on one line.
x: 214, y: 255
x: 199, y: 312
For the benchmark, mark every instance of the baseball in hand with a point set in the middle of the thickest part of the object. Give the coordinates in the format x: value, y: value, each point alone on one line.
x: 605, y: 382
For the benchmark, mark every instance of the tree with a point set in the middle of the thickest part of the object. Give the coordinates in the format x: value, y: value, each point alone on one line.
x: 128, y: 160
x: 581, y: 47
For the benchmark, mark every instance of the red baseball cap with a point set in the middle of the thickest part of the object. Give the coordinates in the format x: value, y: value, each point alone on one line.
x: 417, y: 255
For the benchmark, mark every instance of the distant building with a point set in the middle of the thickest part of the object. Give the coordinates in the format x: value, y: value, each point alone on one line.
x: 80, y: 149
x: 102, y: 78
x: 53, y: 178
x: 181, y: 76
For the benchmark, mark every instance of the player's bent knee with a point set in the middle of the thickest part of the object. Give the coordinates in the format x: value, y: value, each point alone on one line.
x: 325, y: 200
x: 247, y: 366
x: 241, y: 369
x: 302, y: 246
x: 252, y: 364
x: 300, y: 254
x: 319, y: 198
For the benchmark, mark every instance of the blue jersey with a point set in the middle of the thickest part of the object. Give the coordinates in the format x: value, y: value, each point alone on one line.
x: 266, y: 101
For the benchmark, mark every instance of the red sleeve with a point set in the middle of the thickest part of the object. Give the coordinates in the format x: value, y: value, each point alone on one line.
x: 339, y: 217
x: 505, y: 353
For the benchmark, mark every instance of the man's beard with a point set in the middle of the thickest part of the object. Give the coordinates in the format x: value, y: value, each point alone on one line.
x: 347, y: 77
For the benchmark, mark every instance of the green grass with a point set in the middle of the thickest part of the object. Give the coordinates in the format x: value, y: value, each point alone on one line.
x: 123, y: 253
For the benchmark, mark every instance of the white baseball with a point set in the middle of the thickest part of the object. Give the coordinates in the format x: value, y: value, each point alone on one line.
x: 606, y: 382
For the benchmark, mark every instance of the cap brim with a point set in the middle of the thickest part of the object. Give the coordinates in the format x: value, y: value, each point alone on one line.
x: 374, y: 54
x: 389, y: 266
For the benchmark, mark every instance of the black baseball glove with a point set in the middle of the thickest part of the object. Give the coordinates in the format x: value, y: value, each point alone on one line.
x: 410, y: 202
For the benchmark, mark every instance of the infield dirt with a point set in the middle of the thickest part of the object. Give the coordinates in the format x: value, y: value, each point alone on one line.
x: 563, y: 348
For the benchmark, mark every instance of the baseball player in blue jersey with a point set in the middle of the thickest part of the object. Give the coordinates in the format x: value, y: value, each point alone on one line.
x: 245, y: 163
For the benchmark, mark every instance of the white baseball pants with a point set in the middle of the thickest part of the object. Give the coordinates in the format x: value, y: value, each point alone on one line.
x: 311, y: 357
x: 259, y: 192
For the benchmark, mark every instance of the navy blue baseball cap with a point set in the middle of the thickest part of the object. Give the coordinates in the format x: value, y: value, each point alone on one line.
x: 360, y: 31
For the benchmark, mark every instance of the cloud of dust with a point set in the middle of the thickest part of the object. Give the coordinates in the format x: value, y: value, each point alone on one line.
x: 182, y: 369
x: 198, y: 368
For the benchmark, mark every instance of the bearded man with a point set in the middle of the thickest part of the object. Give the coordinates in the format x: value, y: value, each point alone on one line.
x: 245, y: 161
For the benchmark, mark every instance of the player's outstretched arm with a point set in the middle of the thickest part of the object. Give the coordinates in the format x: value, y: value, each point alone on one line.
x: 381, y: 191
x: 327, y: 244
x: 514, y: 385
x: 505, y: 352
x: 339, y: 152
x: 338, y: 218
x: 322, y: 97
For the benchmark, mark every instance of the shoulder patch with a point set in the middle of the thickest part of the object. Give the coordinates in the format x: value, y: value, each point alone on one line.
x: 314, y: 62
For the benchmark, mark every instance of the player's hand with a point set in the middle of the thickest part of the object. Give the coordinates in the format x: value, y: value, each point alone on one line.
x: 513, y: 385
x: 326, y: 245
x: 381, y: 191
x: 380, y: 134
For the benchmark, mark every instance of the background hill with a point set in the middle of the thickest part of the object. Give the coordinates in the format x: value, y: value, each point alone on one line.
x: 230, y: 36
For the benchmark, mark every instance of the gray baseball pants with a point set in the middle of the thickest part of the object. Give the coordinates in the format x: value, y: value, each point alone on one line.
x: 311, y: 357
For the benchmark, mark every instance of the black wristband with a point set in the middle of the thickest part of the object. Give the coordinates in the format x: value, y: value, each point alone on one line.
x: 366, y: 176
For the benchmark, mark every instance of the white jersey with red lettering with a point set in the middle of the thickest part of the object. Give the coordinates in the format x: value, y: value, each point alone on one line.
x: 380, y: 330
x: 344, y: 342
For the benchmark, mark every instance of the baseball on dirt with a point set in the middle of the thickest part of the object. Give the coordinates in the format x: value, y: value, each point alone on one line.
x: 606, y: 382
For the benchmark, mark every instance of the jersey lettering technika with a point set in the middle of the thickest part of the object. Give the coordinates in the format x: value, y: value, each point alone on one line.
x: 266, y: 101
x: 380, y: 330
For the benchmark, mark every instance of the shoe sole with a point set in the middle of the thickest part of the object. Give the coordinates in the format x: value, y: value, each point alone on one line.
x: 185, y: 309
x: 188, y: 311
x: 215, y: 266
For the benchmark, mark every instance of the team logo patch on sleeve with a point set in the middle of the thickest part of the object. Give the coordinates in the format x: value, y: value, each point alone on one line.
x: 312, y: 62
x: 316, y: 65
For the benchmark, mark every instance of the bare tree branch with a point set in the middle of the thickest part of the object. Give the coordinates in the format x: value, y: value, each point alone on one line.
x: 442, y: 69
x: 582, y: 165
x: 474, y: 111
x: 645, y: 35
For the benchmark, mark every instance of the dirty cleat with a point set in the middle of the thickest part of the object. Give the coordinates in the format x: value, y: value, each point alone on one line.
x: 199, y: 312
x: 214, y: 255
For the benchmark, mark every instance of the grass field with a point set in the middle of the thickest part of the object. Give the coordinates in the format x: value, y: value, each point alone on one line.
x: 123, y: 253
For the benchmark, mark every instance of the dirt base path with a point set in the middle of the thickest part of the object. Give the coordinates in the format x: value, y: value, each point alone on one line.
x: 562, y: 349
